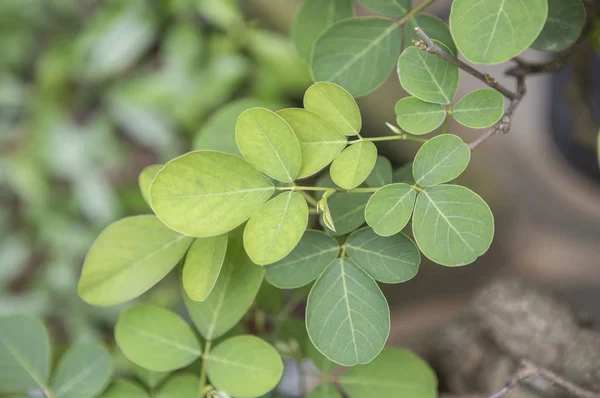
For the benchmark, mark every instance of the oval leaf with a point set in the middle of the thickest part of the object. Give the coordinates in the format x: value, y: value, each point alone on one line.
x: 319, y: 140
x: 82, y: 372
x: 419, y: 117
x: 389, y: 209
x: 452, y: 225
x: 156, y: 339
x: 128, y: 258
x: 427, y: 76
x: 352, y: 167
x: 394, y: 373
x: 148, y: 377
x: 441, y: 159
x: 434, y: 27
x: 207, y: 193
x: 180, y: 386
x: 314, y: 17
x: 268, y: 143
x: 381, y: 174
x: 390, y: 8
x: 391, y: 259
x: 563, y: 26
x: 347, y: 316
x: 305, y: 263
x: 276, y: 228
x: 124, y: 389
x: 479, y: 109
x: 492, y: 31
x: 341, y: 59
x: 336, y: 105
x: 347, y: 211
x: 145, y: 180
x: 244, y: 366
x: 232, y: 295
x: 24, y: 353
x: 202, y: 266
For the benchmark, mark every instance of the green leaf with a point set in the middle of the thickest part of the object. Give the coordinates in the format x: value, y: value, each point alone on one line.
x: 268, y: 143
x: 324, y: 391
x: 479, y: 109
x: 404, y: 174
x: 341, y: 59
x: 427, y: 76
x: 563, y: 26
x: 389, y: 209
x: 202, y: 266
x: 347, y: 211
x: 318, y: 359
x: 335, y: 105
x: 419, y: 117
x: 391, y: 259
x: 82, y: 372
x: 128, y: 258
x: 394, y: 373
x: 452, y: 225
x: 24, y: 353
x: 148, y: 377
x: 434, y: 27
x: 206, y: 193
x: 440, y: 159
x: 233, y: 293
x: 145, y: 179
x: 492, y: 31
x: 320, y: 142
x: 381, y: 174
x: 276, y: 228
x: 218, y: 133
x: 156, y: 338
x: 244, y: 366
x: 269, y: 298
x: 352, y: 167
x: 347, y: 316
x: 314, y: 17
x: 179, y: 386
x: 305, y: 263
x: 390, y: 8
x: 124, y: 389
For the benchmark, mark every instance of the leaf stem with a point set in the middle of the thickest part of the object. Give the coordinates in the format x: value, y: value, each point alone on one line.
x: 411, y: 14
x: 447, y: 120
x: 309, y: 198
x: 202, y: 388
x: 401, y: 137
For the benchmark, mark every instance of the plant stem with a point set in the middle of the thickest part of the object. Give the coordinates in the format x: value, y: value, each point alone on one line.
x: 401, y: 137
x: 410, y: 15
x: 201, y: 390
x: 447, y: 120
x: 309, y: 198
x: 47, y: 392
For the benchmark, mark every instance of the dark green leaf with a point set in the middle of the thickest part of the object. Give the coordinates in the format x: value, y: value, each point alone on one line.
x: 390, y: 8
x: 381, y: 174
x: 347, y: 211
x: 563, y: 26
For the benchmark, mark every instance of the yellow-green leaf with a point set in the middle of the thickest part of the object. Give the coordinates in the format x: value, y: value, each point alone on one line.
x: 352, y: 167
x: 202, y: 266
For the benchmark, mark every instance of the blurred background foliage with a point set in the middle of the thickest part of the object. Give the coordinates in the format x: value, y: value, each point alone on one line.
x: 93, y: 91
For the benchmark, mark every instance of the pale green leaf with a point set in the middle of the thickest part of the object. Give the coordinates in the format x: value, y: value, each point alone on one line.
x: 347, y: 316
x: 233, y: 293
x: 276, y: 228
x: 479, y: 109
x: 180, y: 386
x: 419, y: 117
x: 492, y: 31
x: 24, y: 353
x: 352, y: 167
x: 268, y: 143
x: 434, y: 27
x: 427, y: 76
x: 391, y: 259
x: 320, y: 142
x: 324, y: 391
x: 452, y: 225
x: 145, y: 180
x: 156, y: 338
x: 207, y: 193
x: 124, y: 389
x: 394, y: 373
x: 347, y: 211
x: 563, y: 26
x: 202, y: 266
x: 244, y: 366
x: 390, y: 8
x: 335, y: 105
x: 440, y: 159
x: 381, y: 174
x: 148, y: 377
x: 82, y: 372
x: 305, y: 263
x: 339, y: 58
x: 128, y: 258
x: 389, y: 209
x: 314, y: 17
